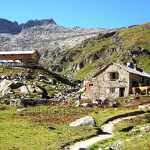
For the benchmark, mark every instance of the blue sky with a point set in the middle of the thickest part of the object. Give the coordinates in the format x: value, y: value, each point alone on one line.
x: 83, y: 13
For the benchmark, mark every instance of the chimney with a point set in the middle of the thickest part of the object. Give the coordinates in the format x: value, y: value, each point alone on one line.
x: 134, y: 66
x: 131, y: 65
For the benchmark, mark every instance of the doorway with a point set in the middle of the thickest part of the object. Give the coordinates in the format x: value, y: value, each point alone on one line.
x: 121, y: 92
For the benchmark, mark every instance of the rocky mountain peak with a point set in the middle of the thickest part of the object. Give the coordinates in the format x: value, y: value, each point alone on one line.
x: 10, y: 27
x: 7, y: 26
x: 42, y: 22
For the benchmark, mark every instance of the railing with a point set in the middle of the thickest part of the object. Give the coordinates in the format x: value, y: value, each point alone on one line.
x: 141, y: 89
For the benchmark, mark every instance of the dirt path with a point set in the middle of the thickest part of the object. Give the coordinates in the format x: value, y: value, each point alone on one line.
x: 89, y: 142
x: 106, y: 128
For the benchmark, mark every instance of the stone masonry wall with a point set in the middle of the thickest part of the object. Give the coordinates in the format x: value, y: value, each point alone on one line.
x: 102, y: 84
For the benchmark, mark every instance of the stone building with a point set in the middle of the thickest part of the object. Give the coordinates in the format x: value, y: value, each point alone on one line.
x: 24, y: 57
x: 116, y: 80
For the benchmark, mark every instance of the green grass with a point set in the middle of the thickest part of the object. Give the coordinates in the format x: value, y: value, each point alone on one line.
x: 89, y: 69
x: 138, y: 142
x: 7, y: 70
x: 27, y: 132
x: 132, y: 139
x: 105, y: 114
x: 17, y: 133
x: 144, y: 62
x: 138, y: 121
x: 47, y: 127
x: 138, y: 35
x: 84, y: 72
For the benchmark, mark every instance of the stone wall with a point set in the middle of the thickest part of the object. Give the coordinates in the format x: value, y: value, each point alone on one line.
x: 88, y: 85
x: 103, y: 86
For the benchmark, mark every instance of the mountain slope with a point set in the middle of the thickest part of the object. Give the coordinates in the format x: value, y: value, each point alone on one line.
x: 48, y: 38
x: 80, y: 52
x: 123, y: 45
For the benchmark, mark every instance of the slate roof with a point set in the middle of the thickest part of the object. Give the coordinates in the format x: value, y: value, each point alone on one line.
x: 134, y: 71
x: 128, y: 69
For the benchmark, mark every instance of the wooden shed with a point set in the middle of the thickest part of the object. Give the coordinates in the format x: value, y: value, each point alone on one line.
x: 26, y: 57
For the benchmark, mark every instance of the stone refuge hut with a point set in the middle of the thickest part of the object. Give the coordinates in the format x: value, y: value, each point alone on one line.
x: 116, y: 80
x: 19, y: 57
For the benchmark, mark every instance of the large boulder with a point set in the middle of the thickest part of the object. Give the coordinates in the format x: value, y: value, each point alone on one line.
x: 24, y: 90
x: 38, y: 90
x: 16, y: 84
x: 9, y: 86
x: 30, y: 88
x: 15, y: 102
x: 88, y: 120
x: 5, y: 87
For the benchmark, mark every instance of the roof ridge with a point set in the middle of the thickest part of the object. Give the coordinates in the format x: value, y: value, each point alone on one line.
x: 18, y: 52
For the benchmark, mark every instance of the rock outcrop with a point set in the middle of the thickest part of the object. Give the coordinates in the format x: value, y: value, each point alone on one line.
x: 33, y: 23
x: 11, y: 87
x: 5, y: 87
x: 10, y: 27
x: 7, y: 26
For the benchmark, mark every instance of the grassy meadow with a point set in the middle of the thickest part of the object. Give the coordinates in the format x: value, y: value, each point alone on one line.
x: 47, y: 127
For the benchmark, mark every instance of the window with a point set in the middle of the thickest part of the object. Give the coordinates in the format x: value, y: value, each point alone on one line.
x: 114, y: 75
x: 147, y: 82
x: 112, y: 90
x: 142, y: 80
x: 135, y: 83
